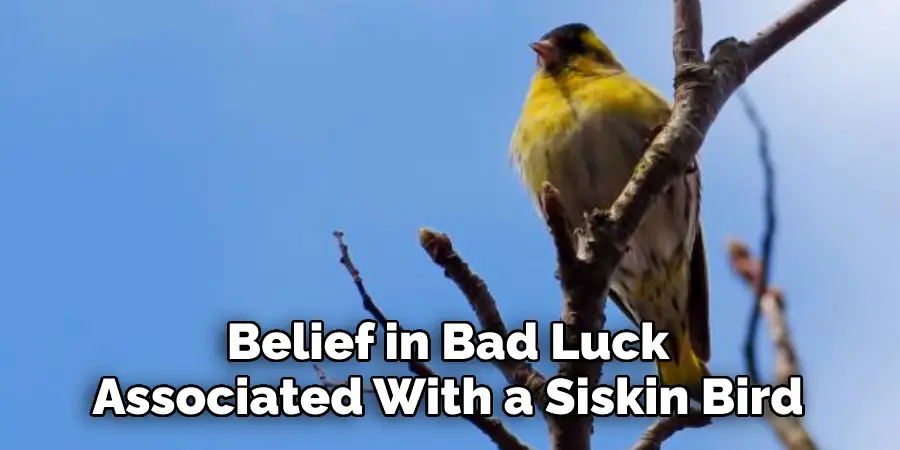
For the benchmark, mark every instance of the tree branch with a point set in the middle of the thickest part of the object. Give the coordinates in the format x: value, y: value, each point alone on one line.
x: 749, y: 269
x: 768, y: 300
x: 440, y: 248
x: 585, y: 287
x: 790, y: 430
x: 762, y: 281
x: 796, y: 21
x: 701, y: 90
x: 687, y: 46
x: 493, y: 428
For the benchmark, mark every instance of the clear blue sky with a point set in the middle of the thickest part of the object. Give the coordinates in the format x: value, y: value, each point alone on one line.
x: 167, y: 166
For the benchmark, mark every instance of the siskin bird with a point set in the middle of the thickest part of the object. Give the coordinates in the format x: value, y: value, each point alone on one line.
x: 583, y: 128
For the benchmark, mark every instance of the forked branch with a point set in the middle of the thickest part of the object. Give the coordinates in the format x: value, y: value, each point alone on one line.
x: 701, y: 89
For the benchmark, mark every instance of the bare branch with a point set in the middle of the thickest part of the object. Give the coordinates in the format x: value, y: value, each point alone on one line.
x: 555, y: 216
x: 440, y: 248
x: 584, y: 293
x: 768, y: 300
x: 772, y: 306
x: 584, y: 299
x: 666, y: 427
x: 700, y: 91
x: 790, y: 430
x: 786, y: 29
x: 688, y: 40
x: 493, y: 428
x: 762, y: 281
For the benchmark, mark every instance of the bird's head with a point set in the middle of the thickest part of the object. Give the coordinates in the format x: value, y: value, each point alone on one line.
x: 574, y: 46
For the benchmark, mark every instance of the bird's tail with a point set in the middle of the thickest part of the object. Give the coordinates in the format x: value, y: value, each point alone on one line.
x: 685, y: 368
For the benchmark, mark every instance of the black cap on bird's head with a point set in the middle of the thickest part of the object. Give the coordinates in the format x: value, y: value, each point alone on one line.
x: 560, y: 45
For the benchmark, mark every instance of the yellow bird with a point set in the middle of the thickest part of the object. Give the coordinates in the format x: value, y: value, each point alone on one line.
x: 584, y: 126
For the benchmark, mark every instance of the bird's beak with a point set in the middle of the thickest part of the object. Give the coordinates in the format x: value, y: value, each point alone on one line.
x: 546, y: 51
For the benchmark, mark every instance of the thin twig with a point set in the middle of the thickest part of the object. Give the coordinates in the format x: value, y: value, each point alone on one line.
x: 772, y: 307
x: 790, y: 430
x: 767, y: 300
x: 555, y: 217
x: 493, y: 428
x: 768, y: 238
x: 786, y: 29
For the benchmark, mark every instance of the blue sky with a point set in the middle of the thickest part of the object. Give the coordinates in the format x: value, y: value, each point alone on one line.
x: 167, y: 166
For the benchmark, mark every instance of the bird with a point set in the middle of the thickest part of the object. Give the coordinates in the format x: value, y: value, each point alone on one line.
x: 583, y: 128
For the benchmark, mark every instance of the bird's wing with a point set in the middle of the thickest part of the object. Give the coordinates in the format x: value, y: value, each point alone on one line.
x: 698, y: 299
x: 643, y: 130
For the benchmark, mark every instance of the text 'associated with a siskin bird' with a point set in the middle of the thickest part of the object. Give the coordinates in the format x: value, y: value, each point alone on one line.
x: 442, y: 396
